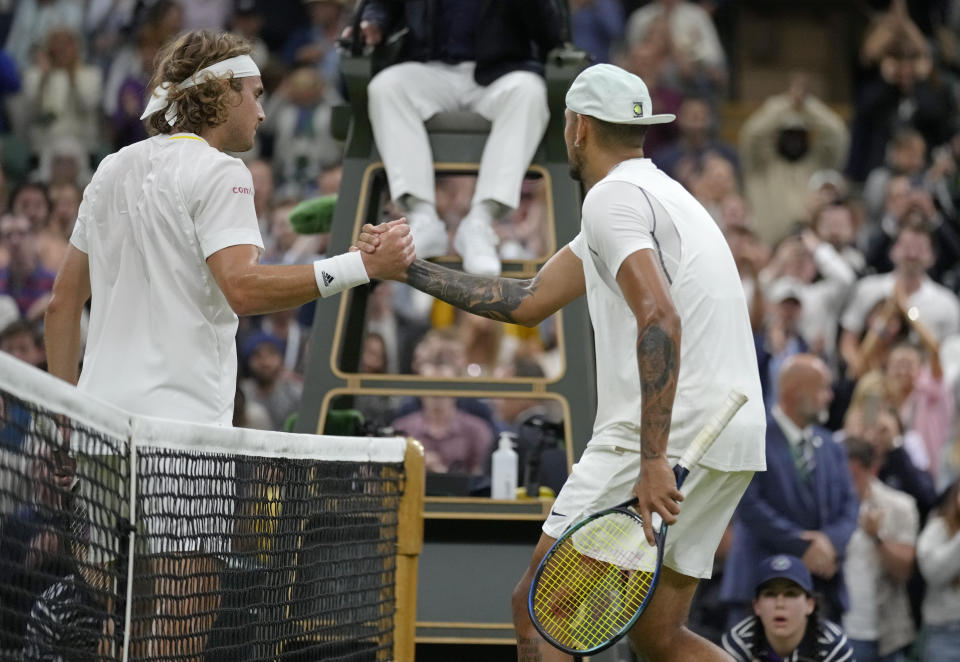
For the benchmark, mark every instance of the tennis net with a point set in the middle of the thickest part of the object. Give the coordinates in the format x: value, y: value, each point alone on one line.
x: 127, y: 537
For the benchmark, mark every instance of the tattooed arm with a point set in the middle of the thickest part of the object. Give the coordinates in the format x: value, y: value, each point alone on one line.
x: 644, y: 287
x: 525, y: 302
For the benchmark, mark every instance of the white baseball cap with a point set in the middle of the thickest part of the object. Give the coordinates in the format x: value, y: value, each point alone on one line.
x: 614, y: 95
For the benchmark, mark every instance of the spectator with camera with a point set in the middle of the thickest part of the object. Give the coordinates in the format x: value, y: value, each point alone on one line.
x: 789, y: 138
x: 922, y: 298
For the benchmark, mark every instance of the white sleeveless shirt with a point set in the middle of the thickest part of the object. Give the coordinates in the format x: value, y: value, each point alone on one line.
x: 638, y: 207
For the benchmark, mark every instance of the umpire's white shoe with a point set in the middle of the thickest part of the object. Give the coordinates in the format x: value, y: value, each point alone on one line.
x: 430, y: 238
x: 476, y: 242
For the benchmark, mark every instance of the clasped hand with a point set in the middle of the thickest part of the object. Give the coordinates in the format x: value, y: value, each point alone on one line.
x: 387, y: 249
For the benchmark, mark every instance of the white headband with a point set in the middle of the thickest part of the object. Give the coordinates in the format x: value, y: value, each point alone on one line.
x: 240, y: 66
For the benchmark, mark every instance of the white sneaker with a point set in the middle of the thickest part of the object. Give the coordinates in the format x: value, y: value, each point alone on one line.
x: 430, y: 237
x: 476, y: 242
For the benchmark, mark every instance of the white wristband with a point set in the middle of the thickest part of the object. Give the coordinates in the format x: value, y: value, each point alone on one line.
x: 339, y: 273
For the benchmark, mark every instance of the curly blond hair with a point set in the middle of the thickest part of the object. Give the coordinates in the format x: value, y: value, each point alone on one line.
x: 204, y: 105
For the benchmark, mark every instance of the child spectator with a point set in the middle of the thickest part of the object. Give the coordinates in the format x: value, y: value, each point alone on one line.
x: 20, y: 340
x: 785, y: 624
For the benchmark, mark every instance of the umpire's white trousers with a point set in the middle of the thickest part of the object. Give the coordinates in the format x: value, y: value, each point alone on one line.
x: 403, y: 96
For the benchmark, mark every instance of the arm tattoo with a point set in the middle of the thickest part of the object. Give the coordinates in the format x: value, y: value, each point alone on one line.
x: 659, y: 368
x: 528, y: 650
x: 496, y: 298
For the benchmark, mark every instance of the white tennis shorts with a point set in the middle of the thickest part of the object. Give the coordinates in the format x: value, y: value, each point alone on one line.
x: 604, y: 477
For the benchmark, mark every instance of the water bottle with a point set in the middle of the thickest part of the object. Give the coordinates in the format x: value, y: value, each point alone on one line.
x: 503, y: 479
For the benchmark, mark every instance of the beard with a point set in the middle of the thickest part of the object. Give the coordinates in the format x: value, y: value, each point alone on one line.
x: 575, y: 162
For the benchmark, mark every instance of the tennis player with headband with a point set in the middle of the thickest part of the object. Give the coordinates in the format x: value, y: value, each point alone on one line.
x: 653, y: 264
x: 167, y: 245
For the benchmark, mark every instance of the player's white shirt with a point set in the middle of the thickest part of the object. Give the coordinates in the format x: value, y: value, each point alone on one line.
x: 161, y: 337
x: 637, y: 207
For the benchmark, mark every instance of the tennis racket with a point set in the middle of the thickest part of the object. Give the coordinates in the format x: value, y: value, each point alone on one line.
x: 597, y: 578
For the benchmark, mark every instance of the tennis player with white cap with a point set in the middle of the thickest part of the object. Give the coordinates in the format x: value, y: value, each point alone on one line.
x: 653, y: 264
x: 167, y: 244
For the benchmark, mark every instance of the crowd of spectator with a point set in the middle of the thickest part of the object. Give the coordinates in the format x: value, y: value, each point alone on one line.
x: 843, y: 219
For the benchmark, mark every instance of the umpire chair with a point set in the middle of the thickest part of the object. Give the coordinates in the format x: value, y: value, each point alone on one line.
x: 456, y: 140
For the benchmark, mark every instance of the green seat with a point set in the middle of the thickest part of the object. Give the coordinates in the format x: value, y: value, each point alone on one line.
x: 16, y: 157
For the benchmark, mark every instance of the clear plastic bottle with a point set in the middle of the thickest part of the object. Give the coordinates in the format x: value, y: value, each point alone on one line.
x: 503, y: 474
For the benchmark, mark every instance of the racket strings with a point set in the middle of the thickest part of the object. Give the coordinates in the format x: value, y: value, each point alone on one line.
x: 595, y: 582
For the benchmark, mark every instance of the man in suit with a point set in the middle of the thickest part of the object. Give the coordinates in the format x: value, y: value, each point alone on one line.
x: 804, y: 504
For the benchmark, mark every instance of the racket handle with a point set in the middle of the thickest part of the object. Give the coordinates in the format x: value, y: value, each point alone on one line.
x: 709, y: 432
x: 702, y: 442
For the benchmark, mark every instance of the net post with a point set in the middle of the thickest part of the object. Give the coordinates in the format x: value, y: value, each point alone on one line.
x: 409, y: 545
x: 131, y: 547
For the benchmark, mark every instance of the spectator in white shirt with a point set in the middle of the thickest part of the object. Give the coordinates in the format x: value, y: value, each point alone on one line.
x: 823, y: 280
x: 879, y: 562
x: 62, y: 94
x: 934, y: 305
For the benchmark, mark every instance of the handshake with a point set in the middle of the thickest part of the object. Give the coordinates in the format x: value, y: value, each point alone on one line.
x: 386, y: 249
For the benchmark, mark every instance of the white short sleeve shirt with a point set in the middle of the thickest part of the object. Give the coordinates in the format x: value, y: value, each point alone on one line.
x: 619, y: 219
x: 636, y: 207
x: 161, y: 336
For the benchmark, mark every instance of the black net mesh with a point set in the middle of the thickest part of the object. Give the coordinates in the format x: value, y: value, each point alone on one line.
x: 63, y: 494
x: 235, y: 556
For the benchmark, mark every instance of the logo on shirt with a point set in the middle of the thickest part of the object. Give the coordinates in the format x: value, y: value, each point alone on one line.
x: 327, y: 278
x: 244, y: 190
x: 638, y: 109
